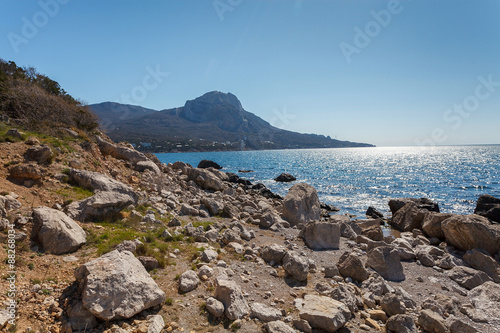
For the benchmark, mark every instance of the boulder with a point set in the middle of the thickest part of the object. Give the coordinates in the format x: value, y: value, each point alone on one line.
x: 205, y: 271
x: 489, y: 207
x: 214, y: 207
x: 80, y: 318
x: 8, y: 202
x: 374, y: 233
x: 189, y: 210
x: 324, y: 313
x: 486, y: 299
x: 116, y: 286
x: 350, y: 265
x: 26, y: 171
x: 149, y: 263
x: 188, y: 281
x: 385, y: 261
x: 296, y: 266
x: 264, y: 312
x: 301, y: 205
x: 208, y: 255
x: 422, y: 203
x: 205, y: 179
x: 229, y: 293
x: 285, y: 178
x: 401, y: 323
x: 482, y: 261
x: 349, y: 295
x: 156, y: 324
x: 214, y: 307
x: 392, y: 305
x: 321, y: 235
x: 431, y: 224
x: 101, y: 206
x: 14, y: 133
x: 120, y: 152
x: 56, y: 232
x: 458, y: 326
x: 467, y: 232
x: 205, y: 164
x: 96, y: 181
x: 278, y: 327
x: 273, y: 253
x: 468, y: 278
x: 374, y: 213
x: 269, y: 218
x: 432, y: 322
x: 41, y: 154
x: 142, y: 166
x: 407, y: 218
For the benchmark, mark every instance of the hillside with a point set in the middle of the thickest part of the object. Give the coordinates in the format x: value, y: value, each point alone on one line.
x: 214, y: 121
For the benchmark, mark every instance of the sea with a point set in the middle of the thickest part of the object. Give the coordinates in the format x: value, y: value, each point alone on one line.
x: 353, y: 179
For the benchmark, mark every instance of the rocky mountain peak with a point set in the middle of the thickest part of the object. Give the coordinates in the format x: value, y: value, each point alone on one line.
x: 213, y: 105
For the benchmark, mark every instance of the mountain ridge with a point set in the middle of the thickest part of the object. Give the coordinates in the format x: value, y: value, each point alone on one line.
x: 212, y: 122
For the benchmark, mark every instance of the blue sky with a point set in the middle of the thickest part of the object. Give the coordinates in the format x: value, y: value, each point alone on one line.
x: 385, y: 72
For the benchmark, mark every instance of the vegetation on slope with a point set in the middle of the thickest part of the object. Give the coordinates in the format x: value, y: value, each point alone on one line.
x: 37, y: 103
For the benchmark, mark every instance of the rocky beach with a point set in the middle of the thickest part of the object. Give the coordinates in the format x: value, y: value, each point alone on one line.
x: 108, y: 239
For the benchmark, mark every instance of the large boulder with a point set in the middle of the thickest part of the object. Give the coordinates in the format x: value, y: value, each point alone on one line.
x: 467, y: 232
x: 117, y: 286
x: 8, y: 202
x: 229, y: 293
x: 188, y: 281
x: 486, y: 299
x: 385, y: 261
x: 96, y: 181
x: 42, y: 154
x: 214, y: 207
x: 278, y: 326
x: 350, y: 265
x: 422, y: 203
x: 120, y: 152
x: 205, y: 164
x: 285, y: 178
x: 56, y: 232
x: 100, y: 206
x: 273, y: 253
x: 431, y: 224
x: 80, y: 318
x: 264, y: 312
x: 26, y: 171
x: 488, y: 206
x: 322, y: 235
x: 432, y: 322
x: 142, y: 166
x: 205, y: 179
x: 301, y: 205
x: 296, y: 265
x: 480, y: 260
x: 324, y: 313
x: 401, y: 323
x: 407, y: 218
x: 467, y: 277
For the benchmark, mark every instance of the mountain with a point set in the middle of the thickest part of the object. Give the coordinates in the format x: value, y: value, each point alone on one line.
x: 214, y: 121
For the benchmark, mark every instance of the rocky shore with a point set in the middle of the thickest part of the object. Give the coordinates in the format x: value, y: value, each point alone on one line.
x: 110, y: 240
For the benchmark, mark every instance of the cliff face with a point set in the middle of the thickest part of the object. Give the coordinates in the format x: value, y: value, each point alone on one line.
x: 203, y: 124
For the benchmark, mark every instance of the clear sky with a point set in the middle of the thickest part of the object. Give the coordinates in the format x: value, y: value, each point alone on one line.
x: 385, y: 72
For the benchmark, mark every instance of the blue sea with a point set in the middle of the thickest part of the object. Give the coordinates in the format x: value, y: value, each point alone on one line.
x: 354, y: 178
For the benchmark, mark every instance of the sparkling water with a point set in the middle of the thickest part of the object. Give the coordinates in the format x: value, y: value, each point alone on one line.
x: 354, y: 178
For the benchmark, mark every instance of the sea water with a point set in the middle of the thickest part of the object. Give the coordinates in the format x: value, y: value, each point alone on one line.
x: 355, y: 178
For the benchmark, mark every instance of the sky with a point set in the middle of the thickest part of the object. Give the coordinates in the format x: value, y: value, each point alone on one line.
x: 390, y: 73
